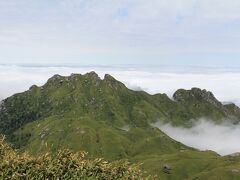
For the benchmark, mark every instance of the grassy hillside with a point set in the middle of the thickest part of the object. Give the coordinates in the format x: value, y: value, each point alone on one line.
x: 106, y: 119
x: 97, y: 138
x: 191, y: 165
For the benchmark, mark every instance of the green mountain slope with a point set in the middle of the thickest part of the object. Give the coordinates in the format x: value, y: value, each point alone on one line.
x: 106, y: 119
x: 110, y: 101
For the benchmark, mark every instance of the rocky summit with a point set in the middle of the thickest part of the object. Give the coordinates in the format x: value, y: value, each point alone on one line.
x: 106, y: 119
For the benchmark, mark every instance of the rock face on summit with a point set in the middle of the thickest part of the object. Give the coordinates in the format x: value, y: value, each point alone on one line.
x: 196, y: 94
x: 202, y: 100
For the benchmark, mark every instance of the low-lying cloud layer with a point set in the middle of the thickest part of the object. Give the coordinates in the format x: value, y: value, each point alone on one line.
x: 205, y: 135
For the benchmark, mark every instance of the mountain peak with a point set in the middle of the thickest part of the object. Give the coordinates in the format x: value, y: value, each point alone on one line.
x: 196, y: 96
x: 33, y: 87
x: 108, y: 77
x: 113, y: 83
x: 194, y: 93
x: 55, y: 79
x: 92, y: 74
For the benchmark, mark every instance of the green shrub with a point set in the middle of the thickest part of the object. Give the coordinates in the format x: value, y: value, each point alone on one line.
x: 63, y: 165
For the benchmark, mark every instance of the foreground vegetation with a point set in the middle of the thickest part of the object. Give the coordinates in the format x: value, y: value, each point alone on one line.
x: 187, y: 164
x: 63, y: 165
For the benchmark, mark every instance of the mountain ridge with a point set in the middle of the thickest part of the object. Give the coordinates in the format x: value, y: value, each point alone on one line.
x: 75, y: 82
x: 106, y: 119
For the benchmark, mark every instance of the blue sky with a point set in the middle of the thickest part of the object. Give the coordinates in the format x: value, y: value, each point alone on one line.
x: 174, y: 32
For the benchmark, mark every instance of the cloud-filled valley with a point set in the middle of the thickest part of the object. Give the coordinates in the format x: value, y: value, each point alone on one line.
x: 223, y: 138
x: 205, y: 135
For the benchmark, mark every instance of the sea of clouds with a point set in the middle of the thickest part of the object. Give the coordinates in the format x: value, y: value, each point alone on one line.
x: 206, y: 135
x: 223, y: 82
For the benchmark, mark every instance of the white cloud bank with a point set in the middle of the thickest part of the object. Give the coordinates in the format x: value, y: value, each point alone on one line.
x: 205, y: 135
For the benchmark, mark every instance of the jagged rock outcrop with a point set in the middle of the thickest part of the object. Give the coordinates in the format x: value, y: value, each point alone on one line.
x: 196, y: 94
x: 202, y: 100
